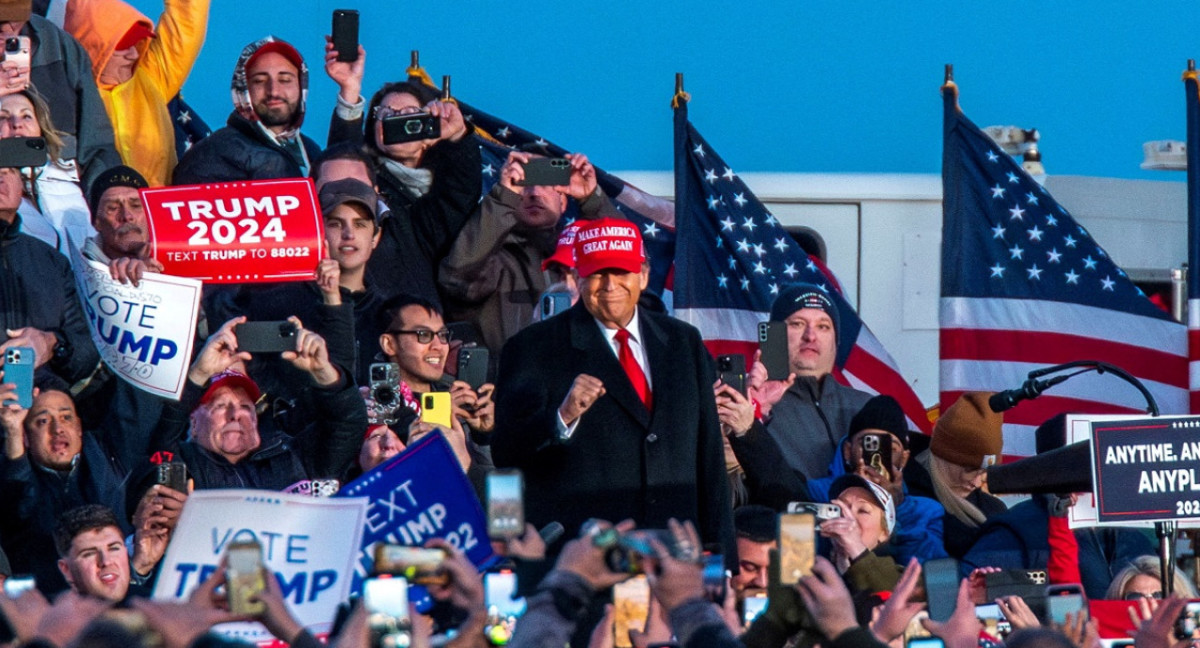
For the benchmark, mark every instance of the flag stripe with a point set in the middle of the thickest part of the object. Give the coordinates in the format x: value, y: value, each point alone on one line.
x: 1057, y: 348
x: 998, y: 375
x: 1036, y: 316
x: 887, y: 381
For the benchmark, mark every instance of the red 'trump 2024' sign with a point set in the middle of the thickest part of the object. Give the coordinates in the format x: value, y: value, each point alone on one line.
x: 237, y: 232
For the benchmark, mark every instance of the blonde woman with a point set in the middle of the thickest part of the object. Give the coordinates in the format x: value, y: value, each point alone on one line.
x: 53, y: 208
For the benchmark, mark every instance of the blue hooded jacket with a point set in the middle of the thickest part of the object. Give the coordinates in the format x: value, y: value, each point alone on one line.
x: 918, y: 529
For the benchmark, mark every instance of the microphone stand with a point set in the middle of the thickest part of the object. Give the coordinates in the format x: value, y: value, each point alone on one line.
x: 1164, y: 530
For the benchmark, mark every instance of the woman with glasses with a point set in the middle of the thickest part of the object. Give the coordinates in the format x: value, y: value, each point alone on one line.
x: 430, y: 185
x: 1142, y: 579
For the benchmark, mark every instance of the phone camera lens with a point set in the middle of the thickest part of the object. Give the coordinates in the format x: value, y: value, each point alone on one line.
x: 384, y: 396
x: 12, y: 45
x: 412, y: 126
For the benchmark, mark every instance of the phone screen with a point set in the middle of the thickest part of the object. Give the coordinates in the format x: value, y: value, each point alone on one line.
x: 797, y: 546
x: 1057, y: 606
x: 386, y: 596
x: 14, y: 586
x: 941, y: 587
x: 926, y: 642
x: 499, y: 590
x: 631, y: 605
x: 505, y: 501
x: 752, y: 606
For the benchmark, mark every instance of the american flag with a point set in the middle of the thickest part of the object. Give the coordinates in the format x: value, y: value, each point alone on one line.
x: 1025, y: 286
x: 1192, y: 89
x: 732, y: 260
x: 653, y: 215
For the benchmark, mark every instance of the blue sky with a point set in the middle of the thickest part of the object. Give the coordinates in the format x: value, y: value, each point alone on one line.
x: 777, y: 86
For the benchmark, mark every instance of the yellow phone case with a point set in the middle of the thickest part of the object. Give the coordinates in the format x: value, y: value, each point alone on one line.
x: 436, y: 408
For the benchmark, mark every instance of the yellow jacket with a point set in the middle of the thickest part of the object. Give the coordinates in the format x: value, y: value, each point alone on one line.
x: 145, y: 135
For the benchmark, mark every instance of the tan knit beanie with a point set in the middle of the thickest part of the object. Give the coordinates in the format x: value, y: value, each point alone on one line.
x: 968, y: 433
x: 15, y: 10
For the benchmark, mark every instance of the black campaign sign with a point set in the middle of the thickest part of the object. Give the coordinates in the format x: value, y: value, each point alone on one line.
x: 1146, y: 469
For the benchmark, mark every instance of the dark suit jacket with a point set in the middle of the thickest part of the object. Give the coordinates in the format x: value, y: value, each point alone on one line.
x: 623, y: 461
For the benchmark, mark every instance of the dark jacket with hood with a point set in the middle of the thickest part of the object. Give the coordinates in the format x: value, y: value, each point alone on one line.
x: 245, y: 149
x: 37, y: 289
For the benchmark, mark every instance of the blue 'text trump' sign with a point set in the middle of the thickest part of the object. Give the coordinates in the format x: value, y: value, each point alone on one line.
x: 1144, y: 469
x: 419, y: 494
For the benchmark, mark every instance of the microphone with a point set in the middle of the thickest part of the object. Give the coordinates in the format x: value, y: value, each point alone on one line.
x: 1031, y: 389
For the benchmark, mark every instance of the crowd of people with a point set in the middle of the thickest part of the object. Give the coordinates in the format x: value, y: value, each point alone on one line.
x: 611, y: 408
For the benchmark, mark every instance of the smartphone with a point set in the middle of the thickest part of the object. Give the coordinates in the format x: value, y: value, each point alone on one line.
x: 821, y: 511
x: 436, y: 408
x: 473, y: 366
x: 772, y: 340
x: 993, y: 620
x: 631, y: 606
x: 500, y: 591
x: 797, y: 546
x: 419, y: 565
x: 345, y: 34
x: 731, y: 369
x: 941, y: 587
x: 384, y: 387
x: 399, y: 129
x: 547, y: 171
x: 1188, y: 623
x: 266, y: 337
x: 925, y: 642
x: 715, y: 577
x: 245, y: 577
x: 18, y: 584
x: 505, y: 504
x: 173, y: 475
x: 17, y: 50
x: 754, y: 604
x: 1063, y: 599
x: 388, y: 619
x: 552, y: 303
x: 20, y: 152
x: 18, y: 370
x: 877, y: 453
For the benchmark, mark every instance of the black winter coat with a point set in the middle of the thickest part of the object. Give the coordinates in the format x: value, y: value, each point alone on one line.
x: 37, y: 288
x: 240, y: 151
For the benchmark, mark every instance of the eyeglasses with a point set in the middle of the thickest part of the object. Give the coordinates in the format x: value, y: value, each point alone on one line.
x: 1137, y: 596
x: 425, y: 336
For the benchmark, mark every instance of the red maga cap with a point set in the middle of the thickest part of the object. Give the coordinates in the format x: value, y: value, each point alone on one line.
x: 608, y: 243
x: 564, y: 253
x: 231, y: 379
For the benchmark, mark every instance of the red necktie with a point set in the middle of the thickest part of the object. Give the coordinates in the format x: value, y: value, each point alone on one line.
x: 631, y: 367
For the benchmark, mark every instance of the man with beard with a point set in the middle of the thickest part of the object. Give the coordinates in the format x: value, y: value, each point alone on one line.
x: 262, y: 138
x: 495, y: 272
x: 122, y: 234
